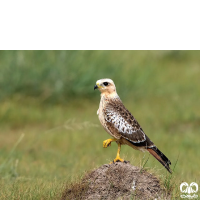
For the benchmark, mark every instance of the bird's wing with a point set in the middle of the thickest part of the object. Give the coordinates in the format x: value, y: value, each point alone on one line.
x: 121, y: 120
x: 117, y: 116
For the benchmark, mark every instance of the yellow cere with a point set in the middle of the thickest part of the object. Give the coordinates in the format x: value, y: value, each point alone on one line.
x: 98, y: 84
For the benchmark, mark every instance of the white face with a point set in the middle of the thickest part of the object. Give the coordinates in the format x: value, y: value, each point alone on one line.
x: 105, y: 85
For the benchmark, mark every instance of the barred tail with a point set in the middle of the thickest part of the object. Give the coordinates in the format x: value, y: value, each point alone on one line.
x: 154, y: 151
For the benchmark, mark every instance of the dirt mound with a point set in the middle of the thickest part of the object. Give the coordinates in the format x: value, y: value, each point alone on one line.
x: 116, y: 181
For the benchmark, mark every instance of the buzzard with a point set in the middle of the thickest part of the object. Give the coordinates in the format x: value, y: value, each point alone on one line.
x: 121, y: 124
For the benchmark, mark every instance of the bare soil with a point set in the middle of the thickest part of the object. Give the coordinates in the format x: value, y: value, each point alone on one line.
x: 116, y: 181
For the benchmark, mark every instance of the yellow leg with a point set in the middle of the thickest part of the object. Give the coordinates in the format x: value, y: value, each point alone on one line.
x: 118, y: 157
x: 107, y: 143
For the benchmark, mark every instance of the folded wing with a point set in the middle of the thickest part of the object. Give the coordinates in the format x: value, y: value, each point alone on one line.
x: 117, y: 116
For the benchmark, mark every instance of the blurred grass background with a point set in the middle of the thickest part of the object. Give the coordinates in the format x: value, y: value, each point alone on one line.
x: 49, y: 130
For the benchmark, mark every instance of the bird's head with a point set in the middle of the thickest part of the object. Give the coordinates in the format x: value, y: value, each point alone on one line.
x: 106, y: 86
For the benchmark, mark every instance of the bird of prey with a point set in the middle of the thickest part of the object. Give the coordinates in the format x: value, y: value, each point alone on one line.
x: 121, y: 124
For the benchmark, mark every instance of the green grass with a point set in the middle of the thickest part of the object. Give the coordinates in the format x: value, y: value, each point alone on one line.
x: 49, y: 130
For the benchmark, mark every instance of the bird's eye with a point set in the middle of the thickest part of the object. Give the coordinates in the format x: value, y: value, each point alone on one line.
x: 105, y: 83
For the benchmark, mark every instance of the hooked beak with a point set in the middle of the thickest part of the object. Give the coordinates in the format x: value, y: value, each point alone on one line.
x: 95, y: 87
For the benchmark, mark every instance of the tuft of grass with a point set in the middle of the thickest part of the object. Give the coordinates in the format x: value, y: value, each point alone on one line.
x: 170, y: 184
x: 143, y: 163
x: 75, y: 190
x: 8, y: 162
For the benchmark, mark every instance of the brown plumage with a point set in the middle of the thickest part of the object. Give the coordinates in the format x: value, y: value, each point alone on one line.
x: 121, y: 124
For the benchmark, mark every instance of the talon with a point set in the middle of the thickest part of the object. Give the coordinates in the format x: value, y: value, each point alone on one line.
x: 107, y: 143
x: 117, y: 159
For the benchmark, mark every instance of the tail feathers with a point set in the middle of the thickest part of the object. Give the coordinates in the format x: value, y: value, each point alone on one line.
x: 154, y: 151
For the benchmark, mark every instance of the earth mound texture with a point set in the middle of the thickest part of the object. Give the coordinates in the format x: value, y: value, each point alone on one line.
x: 116, y: 181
